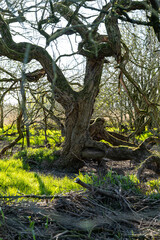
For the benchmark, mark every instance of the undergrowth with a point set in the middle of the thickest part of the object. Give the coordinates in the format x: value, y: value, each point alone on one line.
x: 39, y: 157
x: 37, y: 136
x: 17, y: 179
x: 16, y: 176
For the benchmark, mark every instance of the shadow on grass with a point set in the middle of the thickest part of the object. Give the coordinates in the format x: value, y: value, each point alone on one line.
x: 42, y: 187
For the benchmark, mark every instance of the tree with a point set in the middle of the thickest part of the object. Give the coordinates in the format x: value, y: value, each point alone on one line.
x: 119, y: 105
x: 84, y: 20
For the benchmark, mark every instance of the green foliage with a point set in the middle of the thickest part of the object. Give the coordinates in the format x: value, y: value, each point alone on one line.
x: 153, y: 188
x: 36, y: 157
x: 37, y: 136
x: 126, y: 183
x: 6, y: 133
x: 8, y: 128
x: 15, y: 179
x: 144, y: 136
x: 31, y: 225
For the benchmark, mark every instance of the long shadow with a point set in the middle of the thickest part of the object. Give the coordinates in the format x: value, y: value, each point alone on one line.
x: 42, y: 187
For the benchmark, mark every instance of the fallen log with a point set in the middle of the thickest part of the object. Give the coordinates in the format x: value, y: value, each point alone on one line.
x: 98, y: 132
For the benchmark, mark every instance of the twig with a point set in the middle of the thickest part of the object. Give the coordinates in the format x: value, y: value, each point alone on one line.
x: 60, y: 234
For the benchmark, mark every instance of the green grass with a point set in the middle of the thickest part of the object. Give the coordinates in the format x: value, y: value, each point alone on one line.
x: 111, y: 179
x: 38, y: 157
x: 37, y: 137
x: 15, y: 180
x: 54, y: 138
x: 16, y: 176
x: 153, y: 188
x: 128, y: 183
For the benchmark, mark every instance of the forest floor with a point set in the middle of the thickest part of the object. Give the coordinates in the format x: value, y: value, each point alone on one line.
x: 88, y: 214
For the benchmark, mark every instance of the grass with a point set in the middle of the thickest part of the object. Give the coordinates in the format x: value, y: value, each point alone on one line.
x: 153, y: 188
x: 37, y: 137
x: 54, y: 137
x: 144, y: 136
x: 16, y: 179
x: 111, y: 179
x: 38, y: 157
x: 16, y: 176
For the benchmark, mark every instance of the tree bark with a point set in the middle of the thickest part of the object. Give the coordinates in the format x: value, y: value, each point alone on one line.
x: 2, y: 116
x: 78, y: 118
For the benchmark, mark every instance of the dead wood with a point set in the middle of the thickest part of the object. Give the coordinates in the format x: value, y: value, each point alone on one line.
x: 98, y: 132
x: 91, y: 153
x: 76, y: 215
x: 95, y: 190
x: 149, y: 143
x: 116, y: 153
x: 147, y: 164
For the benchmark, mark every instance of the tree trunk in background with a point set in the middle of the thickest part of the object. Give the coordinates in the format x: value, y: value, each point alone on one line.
x: 45, y: 122
x: 2, y: 117
x: 24, y: 111
x: 45, y: 127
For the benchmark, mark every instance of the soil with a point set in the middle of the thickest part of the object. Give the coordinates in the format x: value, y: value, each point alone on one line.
x: 87, y: 214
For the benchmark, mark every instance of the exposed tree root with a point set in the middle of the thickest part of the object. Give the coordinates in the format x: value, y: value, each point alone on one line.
x: 147, y: 164
x: 93, y: 149
x: 115, y: 153
x: 149, y: 143
x: 97, y: 151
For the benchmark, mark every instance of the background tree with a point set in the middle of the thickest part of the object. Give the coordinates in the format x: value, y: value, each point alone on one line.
x: 118, y: 107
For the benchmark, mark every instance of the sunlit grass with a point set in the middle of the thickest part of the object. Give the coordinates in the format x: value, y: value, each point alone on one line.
x: 14, y: 180
x: 37, y: 137
x: 16, y: 176
x: 36, y: 155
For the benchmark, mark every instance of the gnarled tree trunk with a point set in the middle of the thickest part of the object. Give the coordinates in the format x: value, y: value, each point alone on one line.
x: 78, y: 117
